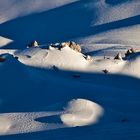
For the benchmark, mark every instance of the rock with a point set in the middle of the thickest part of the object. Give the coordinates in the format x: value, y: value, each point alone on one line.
x: 55, y: 68
x: 33, y: 44
x: 118, y: 56
x: 130, y: 51
x: 16, y: 57
x: 72, y: 45
x: 105, y: 71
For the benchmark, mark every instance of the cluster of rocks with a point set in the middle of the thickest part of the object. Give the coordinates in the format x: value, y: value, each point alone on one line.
x: 72, y: 45
x: 76, y: 47
x: 128, y: 53
x: 119, y: 57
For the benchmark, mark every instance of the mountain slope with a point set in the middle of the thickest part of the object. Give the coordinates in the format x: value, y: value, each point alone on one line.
x: 47, y: 91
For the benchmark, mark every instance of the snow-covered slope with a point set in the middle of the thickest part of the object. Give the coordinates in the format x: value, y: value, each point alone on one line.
x: 114, y: 94
x: 66, y: 59
x: 10, y: 9
x: 75, y: 20
x: 111, y: 11
x: 48, y: 88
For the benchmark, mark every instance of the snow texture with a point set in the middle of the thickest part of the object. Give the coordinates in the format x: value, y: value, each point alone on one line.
x: 81, y: 112
x: 47, y: 88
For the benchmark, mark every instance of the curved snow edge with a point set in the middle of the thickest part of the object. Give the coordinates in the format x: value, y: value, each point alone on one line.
x: 81, y: 112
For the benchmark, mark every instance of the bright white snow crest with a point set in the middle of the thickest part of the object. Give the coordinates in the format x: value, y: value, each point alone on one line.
x: 81, y: 112
x: 4, y: 41
x: 68, y: 59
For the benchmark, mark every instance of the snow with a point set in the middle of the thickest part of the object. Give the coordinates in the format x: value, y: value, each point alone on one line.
x: 24, y: 123
x: 131, y: 67
x: 45, y: 92
x: 67, y: 59
x: 10, y: 9
x: 62, y: 59
x: 81, y: 112
x: 4, y: 41
x: 5, y: 125
x: 109, y: 11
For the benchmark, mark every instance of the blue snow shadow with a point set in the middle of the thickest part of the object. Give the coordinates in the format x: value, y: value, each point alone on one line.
x: 50, y: 119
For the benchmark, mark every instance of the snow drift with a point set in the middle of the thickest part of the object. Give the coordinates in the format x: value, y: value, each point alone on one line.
x: 81, y: 112
x: 44, y: 76
x: 67, y: 59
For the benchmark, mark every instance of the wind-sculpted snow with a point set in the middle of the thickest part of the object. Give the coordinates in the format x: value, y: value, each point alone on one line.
x: 67, y: 59
x: 15, y: 123
x: 83, y: 90
x: 81, y: 112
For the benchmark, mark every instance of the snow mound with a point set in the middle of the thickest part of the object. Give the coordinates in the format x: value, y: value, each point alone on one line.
x: 5, y: 125
x: 81, y: 112
x: 66, y: 58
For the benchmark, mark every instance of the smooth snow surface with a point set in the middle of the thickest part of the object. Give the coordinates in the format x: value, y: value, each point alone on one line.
x: 5, y: 125
x: 10, y: 9
x: 81, y: 112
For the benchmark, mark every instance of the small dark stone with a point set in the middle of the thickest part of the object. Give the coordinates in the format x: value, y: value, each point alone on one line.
x: 76, y: 76
x: 105, y: 71
x: 16, y: 57
x: 118, y: 57
x: 28, y: 56
x: 124, y: 120
x: 55, y: 68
